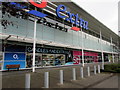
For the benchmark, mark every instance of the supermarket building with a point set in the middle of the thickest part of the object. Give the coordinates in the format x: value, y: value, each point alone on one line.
x: 65, y: 35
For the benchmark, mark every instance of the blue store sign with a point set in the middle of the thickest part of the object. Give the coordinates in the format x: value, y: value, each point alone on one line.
x: 14, y: 58
x: 78, y: 21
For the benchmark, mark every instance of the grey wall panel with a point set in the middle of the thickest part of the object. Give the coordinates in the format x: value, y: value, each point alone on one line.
x: 60, y: 36
x: 69, y: 37
x: 76, y: 38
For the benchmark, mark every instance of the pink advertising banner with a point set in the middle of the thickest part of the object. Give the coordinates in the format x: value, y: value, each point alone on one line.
x: 77, y: 56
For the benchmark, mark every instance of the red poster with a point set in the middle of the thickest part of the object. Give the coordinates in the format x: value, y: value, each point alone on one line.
x: 89, y: 56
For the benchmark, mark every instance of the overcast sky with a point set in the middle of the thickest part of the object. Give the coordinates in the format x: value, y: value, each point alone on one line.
x: 106, y: 11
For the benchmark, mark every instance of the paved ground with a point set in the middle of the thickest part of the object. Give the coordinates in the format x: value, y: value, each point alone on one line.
x: 16, y: 79
x: 98, y: 81
x: 109, y: 82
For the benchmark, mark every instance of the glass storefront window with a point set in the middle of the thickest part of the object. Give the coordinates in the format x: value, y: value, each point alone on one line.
x: 38, y: 60
x: 45, y: 60
x: 48, y: 59
x: 29, y: 59
x: 90, y: 59
x: 59, y: 59
x: 53, y: 59
x: 1, y: 60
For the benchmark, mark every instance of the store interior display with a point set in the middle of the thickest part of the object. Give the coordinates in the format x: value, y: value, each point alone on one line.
x: 29, y: 59
x: 60, y: 59
x: 46, y: 60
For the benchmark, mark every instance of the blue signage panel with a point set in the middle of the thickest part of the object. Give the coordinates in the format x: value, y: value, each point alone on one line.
x: 13, y: 59
x: 14, y: 56
x: 36, y: 13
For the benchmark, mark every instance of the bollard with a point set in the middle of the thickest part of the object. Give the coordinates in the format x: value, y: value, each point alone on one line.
x: 102, y: 66
x: 74, y: 74
x: 88, y: 69
x: 98, y: 68
x: 46, y: 80
x: 81, y: 72
x: 94, y: 69
x: 27, y: 81
x: 61, y: 76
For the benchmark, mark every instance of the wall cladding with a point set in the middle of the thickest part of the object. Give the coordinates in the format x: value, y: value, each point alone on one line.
x: 25, y: 29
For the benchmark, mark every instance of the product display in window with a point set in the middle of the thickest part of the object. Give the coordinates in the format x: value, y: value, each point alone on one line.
x: 38, y: 60
x: 59, y: 59
x: 45, y: 59
x: 48, y: 59
x: 29, y: 61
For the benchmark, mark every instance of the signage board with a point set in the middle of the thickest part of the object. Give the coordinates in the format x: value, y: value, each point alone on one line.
x: 78, y: 21
x: 14, y: 56
x: 47, y: 50
x: 68, y: 16
x: 88, y: 57
x: 13, y: 59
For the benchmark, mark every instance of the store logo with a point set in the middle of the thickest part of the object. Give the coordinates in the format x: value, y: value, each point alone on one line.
x: 15, y: 56
x: 39, y: 4
x: 72, y: 18
x: 33, y: 12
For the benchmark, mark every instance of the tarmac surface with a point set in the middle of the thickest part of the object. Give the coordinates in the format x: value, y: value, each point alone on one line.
x: 16, y: 79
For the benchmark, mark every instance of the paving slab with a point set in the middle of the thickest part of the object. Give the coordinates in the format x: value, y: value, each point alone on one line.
x: 16, y: 79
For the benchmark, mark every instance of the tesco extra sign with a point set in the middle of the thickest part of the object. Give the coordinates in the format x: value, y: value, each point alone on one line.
x: 62, y: 8
x: 77, y: 20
